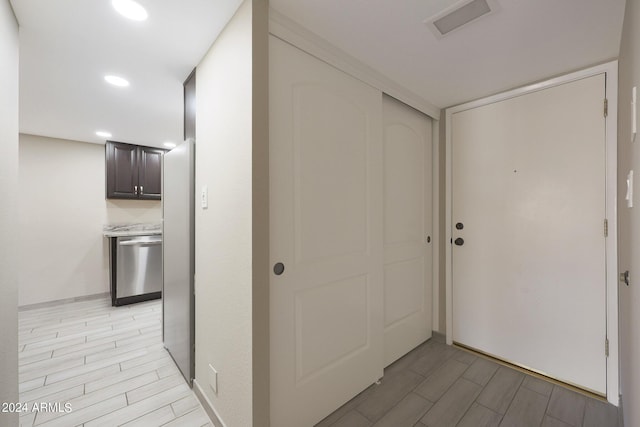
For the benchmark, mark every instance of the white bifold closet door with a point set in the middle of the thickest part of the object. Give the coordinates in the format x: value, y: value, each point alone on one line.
x: 407, y: 228
x: 326, y: 231
x: 528, y: 193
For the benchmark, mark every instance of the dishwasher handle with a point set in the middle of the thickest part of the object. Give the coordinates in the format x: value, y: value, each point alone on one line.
x: 141, y: 242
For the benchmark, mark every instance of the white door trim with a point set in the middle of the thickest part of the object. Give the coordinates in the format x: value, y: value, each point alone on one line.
x: 611, y: 123
x: 435, y: 228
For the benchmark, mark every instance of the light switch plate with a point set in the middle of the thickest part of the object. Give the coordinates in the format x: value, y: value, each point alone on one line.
x: 213, y: 379
x: 629, y: 197
x: 204, y: 197
x: 634, y: 114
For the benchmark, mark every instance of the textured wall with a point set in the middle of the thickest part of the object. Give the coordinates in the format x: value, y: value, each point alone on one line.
x: 224, y: 239
x: 629, y: 219
x: 8, y: 210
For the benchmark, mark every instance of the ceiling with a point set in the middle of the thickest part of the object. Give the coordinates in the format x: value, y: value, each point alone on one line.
x: 67, y: 46
x: 523, y: 42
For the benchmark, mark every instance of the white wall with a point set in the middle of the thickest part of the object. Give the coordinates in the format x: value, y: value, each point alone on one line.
x: 629, y: 219
x: 230, y: 252
x: 62, y: 210
x: 8, y: 210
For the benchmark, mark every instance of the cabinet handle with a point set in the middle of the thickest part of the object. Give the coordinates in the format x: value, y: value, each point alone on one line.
x: 141, y: 190
x: 135, y: 190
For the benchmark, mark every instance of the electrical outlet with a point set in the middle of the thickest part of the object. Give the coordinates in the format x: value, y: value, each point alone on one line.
x: 213, y: 379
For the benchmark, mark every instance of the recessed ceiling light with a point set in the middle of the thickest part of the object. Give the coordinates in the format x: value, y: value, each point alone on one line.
x: 116, y: 81
x: 103, y: 134
x: 130, y: 9
x: 170, y: 144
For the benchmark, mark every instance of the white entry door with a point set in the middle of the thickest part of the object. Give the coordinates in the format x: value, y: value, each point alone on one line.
x: 407, y: 228
x: 528, y: 210
x: 326, y: 236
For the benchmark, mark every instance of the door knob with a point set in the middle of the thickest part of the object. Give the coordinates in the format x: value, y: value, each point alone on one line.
x: 278, y: 268
x: 459, y: 241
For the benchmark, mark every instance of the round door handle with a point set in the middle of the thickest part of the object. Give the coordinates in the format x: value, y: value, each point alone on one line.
x: 459, y: 241
x: 278, y: 268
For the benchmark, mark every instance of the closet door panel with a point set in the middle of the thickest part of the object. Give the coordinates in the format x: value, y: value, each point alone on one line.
x: 326, y: 210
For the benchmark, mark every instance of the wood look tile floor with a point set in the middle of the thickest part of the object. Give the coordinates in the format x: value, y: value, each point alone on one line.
x: 436, y: 385
x: 107, y: 363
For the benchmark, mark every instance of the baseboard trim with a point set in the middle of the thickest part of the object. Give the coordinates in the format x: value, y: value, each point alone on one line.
x: 63, y: 301
x: 207, y: 405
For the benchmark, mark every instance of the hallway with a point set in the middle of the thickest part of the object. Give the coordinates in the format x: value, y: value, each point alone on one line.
x: 436, y: 385
x: 107, y: 363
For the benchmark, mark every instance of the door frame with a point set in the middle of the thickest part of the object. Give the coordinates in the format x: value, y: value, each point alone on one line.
x: 611, y: 242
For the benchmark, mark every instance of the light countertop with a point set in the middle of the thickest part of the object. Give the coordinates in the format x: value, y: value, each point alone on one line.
x: 120, y: 230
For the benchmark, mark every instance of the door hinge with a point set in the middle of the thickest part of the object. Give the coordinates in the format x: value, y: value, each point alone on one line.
x: 606, y: 228
x: 606, y: 107
x: 606, y: 347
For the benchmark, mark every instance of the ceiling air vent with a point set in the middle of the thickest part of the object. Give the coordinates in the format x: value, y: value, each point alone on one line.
x: 460, y: 14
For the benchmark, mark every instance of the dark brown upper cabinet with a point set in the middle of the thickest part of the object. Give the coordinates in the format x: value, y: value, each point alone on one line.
x: 133, y: 171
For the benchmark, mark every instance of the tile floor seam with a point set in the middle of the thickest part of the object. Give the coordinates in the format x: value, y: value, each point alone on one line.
x: 584, y: 410
x: 445, y: 392
x: 75, y: 376
x: 552, y: 417
x: 354, y: 409
x: 151, y: 395
x: 127, y: 379
x: 397, y: 403
x: 514, y: 395
x: 55, y: 392
x: 490, y: 378
x: 489, y: 409
x: 468, y: 409
x: 535, y: 391
x: 144, y: 415
x: 95, y: 418
x: 546, y: 409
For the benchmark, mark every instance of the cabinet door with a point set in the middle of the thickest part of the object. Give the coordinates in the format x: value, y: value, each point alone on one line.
x: 122, y: 170
x: 149, y: 176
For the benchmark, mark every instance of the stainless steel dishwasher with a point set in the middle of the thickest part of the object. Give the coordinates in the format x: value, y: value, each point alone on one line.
x: 138, y: 269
